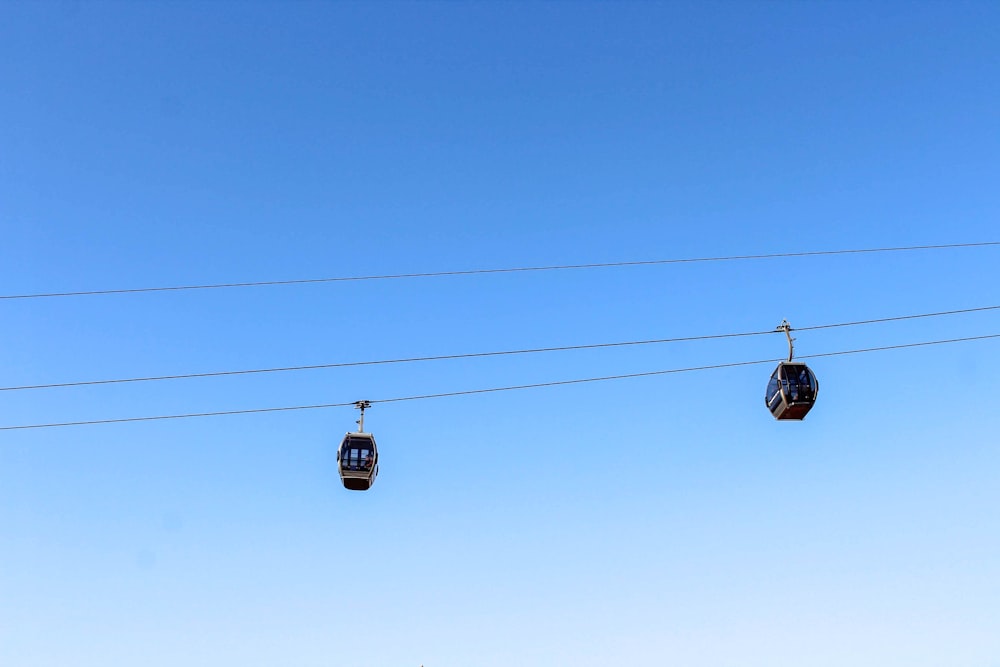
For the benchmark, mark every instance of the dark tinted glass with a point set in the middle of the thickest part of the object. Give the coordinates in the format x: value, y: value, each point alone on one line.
x: 772, y: 387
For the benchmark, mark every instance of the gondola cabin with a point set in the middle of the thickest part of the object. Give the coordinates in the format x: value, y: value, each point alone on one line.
x: 357, y: 460
x: 792, y: 391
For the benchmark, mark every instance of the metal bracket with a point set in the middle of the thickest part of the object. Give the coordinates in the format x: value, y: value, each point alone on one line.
x: 787, y: 328
x: 362, y: 405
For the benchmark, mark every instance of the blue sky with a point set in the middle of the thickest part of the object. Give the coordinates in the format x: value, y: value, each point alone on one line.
x: 664, y: 520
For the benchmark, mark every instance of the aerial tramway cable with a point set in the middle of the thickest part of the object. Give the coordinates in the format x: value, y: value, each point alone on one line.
x: 470, y: 272
x: 473, y: 355
x: 471, y: 392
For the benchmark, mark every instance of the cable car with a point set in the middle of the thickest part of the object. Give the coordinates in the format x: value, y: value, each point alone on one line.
x: 793, y: 388
x: 792, y: 391
x: 357, y: 458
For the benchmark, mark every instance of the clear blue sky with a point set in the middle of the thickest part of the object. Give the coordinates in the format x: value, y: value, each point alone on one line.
x: 666, y: 520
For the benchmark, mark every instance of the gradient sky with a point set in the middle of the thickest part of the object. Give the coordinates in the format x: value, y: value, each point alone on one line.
x: 647, y: 522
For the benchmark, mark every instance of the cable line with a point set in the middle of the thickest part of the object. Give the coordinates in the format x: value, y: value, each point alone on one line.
x: 470, y: 272
x: 491, y: 390
x: 475, y: 355
x: 894, y: 319
x: 376, y: 362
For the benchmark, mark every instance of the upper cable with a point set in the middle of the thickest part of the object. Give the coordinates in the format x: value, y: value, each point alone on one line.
x: 470, y: 272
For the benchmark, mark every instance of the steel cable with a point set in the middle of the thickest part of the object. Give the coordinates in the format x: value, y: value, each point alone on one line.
x: 470, y: 392
x: 471, y: 272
